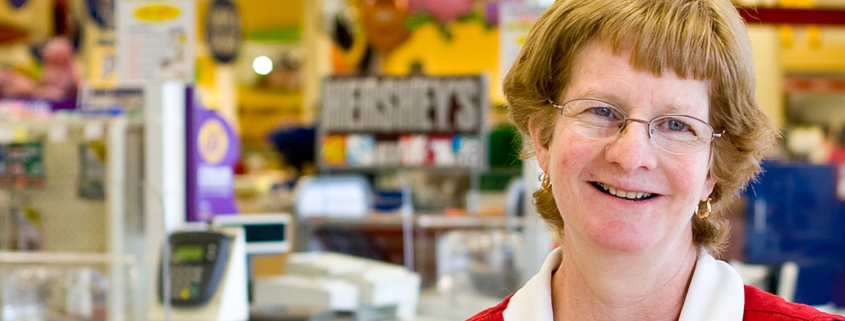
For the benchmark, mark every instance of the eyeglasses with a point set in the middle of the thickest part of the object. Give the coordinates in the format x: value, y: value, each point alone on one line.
x: 675, y: 134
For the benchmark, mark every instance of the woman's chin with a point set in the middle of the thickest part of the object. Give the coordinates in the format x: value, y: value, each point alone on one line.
x: 622, y: 238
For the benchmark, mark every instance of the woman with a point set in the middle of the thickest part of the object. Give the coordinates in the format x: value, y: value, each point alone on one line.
x: 641, y: 114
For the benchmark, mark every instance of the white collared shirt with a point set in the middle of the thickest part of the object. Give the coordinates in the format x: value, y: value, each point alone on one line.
x: 716, y: 292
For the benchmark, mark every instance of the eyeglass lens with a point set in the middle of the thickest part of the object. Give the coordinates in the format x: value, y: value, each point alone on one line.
x: 677, y: 134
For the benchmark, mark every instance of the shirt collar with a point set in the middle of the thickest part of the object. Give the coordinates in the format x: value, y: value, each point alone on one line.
x: 534, y: 300
x: 716, y: 292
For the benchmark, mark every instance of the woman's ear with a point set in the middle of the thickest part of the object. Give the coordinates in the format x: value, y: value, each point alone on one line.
x: 540, y: 150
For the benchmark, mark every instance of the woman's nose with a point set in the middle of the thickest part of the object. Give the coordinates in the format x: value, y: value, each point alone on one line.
x: 632, y: 148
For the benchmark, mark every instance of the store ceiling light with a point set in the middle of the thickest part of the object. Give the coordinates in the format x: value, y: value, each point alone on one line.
x: 262, y: 65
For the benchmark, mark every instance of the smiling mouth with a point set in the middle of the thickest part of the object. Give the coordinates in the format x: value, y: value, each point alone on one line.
x: 634, y: 196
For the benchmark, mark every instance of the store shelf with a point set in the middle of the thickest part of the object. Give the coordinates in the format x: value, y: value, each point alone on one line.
x: 814, y: 85
x: 39, y: 124
x: 442, y: 221
x: 46, y: 124
x: 76, y: 229
x: 375, y: 169
x: 425, y: 221
x: 73, y: 258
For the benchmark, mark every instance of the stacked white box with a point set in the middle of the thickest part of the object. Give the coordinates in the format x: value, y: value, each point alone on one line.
x: 301, y: 291
x: 380, y: 284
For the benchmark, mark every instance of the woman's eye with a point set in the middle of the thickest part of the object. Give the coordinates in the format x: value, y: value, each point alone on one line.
x: 676, y: 125
x: 601, y: 111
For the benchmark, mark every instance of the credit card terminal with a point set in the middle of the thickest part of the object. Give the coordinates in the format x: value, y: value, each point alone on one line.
x: 197, y: 263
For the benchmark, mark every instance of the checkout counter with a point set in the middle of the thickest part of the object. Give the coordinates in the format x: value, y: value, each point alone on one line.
x: 208, y: 276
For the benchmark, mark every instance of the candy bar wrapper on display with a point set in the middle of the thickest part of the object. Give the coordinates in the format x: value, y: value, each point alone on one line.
x: 92, y: 171
x: 468, y: 150
x: 413, y: 149
x: 360, y: 150
x: 25, y: 164
x: 387, y: 153
x: 334, y: 150
x: 441, y: 153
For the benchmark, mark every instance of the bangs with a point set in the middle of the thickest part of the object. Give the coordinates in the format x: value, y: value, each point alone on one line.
x: 683, y: 36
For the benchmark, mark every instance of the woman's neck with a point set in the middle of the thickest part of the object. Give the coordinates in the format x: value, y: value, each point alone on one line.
x: 592, y: 284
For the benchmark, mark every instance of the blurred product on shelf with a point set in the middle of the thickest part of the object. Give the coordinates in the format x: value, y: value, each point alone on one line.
x: 808, y: 143
x: 334, y: 196
x: 92, y: 170
x: 15, y: 109
x: 15, y: 85
x: 60, y: 78
x: 52, y: 293
x: 58, y: 81
x: 479, y: 263
x: 339, y: 282
x: 22, y: 165
x: 28, y: 235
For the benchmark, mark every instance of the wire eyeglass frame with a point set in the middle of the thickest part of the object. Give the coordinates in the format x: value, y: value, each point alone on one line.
x: 675, y: 146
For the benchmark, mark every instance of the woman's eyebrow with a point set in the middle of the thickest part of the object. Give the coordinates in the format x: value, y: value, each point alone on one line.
x: 686, y: 109
x: 607, y: 96
x: 619, y: 101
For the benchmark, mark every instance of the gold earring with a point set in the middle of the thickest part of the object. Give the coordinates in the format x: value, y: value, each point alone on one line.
x: 545, y: 182
x: 706, y: 212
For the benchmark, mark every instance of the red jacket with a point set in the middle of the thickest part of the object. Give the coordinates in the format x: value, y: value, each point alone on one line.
x: 759, y: 305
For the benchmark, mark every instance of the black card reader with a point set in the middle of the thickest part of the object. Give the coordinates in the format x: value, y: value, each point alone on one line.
x: 197, y: 264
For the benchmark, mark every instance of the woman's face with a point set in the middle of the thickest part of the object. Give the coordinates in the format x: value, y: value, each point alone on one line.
x: 585, y: 171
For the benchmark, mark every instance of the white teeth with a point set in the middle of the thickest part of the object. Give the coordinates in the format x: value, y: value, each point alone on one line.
x: 624, y: 194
